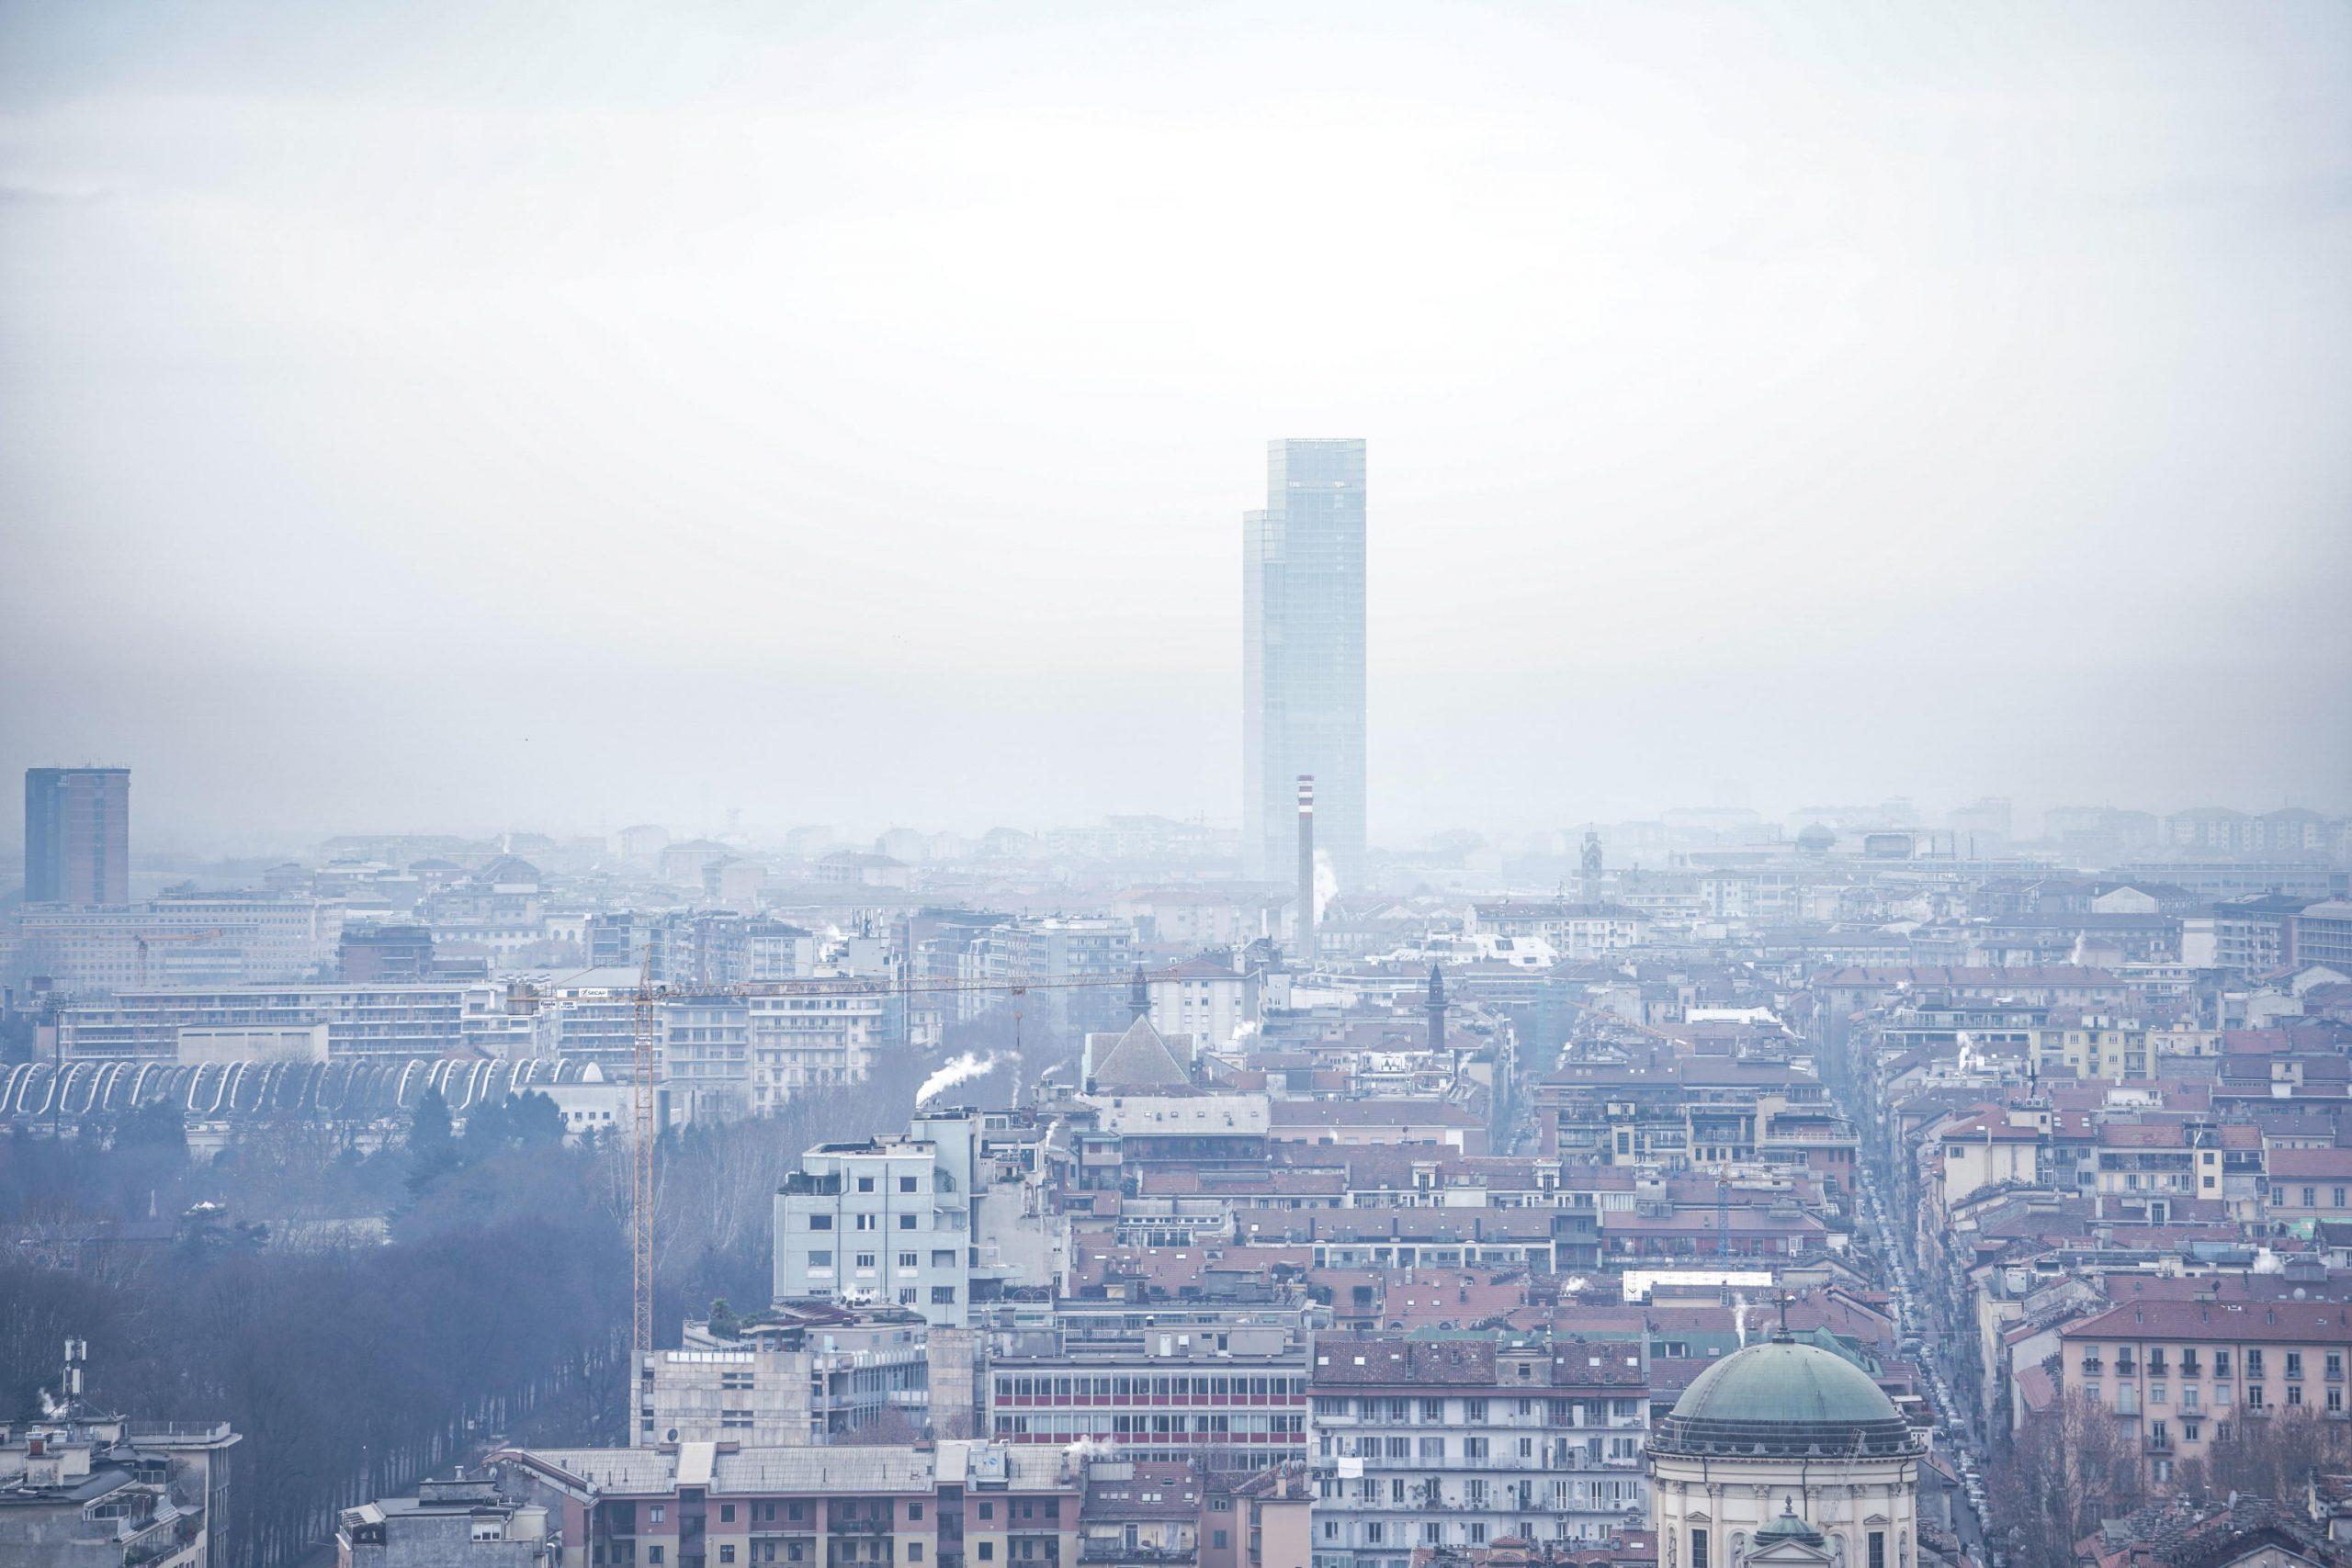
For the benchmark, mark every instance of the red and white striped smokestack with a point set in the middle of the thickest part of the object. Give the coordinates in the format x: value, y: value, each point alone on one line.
x: 1307, y: 868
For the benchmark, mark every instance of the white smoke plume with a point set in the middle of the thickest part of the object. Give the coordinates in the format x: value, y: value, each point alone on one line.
x: 1739, y: 1316
x: 1327, y: 883
x: 967, y: 1065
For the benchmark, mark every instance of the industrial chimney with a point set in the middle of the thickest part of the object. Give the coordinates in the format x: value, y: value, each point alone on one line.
x: 1305, y: 869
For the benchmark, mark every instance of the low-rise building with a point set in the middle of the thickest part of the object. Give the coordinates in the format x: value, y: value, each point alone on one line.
x: 803, y: 1372
x: 87, y: 1491
x: 953, y: 1504
x: 462, y: 1523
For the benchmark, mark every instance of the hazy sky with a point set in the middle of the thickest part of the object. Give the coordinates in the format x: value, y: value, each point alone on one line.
x: 485, y: 414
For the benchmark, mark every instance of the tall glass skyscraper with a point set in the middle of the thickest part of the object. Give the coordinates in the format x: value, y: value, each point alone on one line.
x: 1302, y: 656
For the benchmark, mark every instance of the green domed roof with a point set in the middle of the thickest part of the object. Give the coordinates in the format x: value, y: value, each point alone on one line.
x: 1782, y: 1397
x: 1783, y: 1381
x: 1788, y: 1527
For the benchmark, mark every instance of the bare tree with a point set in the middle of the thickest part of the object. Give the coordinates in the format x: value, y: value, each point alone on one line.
x: 2069, y: 1467
x: 2275, y: 1456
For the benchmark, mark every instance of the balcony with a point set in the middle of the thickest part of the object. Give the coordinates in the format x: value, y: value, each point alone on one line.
x: 2093, y: 1367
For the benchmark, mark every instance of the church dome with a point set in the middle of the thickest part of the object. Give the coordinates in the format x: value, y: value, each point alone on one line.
x: 1788, y: 1527
x: 1780, y: 1399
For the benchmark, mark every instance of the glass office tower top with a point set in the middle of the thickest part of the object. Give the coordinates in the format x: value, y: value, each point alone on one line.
x: 1303, y: 657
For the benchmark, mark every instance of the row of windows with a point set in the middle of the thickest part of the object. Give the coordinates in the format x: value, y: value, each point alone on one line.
x: 1478, y: 1412
x: 2192, y: 1365
x: 1366, y: 1446
x: 1110, y: 1424
x: 1161, y: 1386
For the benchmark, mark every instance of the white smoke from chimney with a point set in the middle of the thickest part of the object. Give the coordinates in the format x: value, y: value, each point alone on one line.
x: 967, y: 1065
x: 1739, y: 1316
x: 1327, y: 883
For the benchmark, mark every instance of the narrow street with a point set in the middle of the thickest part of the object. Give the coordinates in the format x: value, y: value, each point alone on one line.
x: 1927, y: 1324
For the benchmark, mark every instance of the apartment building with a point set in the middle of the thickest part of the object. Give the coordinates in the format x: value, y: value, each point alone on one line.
x: 206, y: 941
x: 953, y: 1504
x: 1658, y: 1107
x: 1428, y: 1444
x: 433, y: 1019
x: 456, y: 1523
x: 1213, y: 1003
x: 810, y: 1034
x: 2095, y: 1046
x: 1230, y: 1397
x: 1578, y: 932
x: 889, y: 1220
x: 2185, y: 1375
x: 2306, y: 1184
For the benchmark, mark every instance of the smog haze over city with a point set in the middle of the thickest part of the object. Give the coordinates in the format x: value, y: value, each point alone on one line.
x: 1492, y: 784
x: 473, y: 415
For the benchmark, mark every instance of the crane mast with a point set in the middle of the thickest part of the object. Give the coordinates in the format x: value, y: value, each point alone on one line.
x: 641, y: 1201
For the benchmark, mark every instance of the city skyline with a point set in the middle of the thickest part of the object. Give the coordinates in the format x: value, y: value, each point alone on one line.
x: 756, y: 934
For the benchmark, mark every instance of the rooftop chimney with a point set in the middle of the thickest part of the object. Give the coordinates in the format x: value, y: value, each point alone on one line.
x: 1305, y: 869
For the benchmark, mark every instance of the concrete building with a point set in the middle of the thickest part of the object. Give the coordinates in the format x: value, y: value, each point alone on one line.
x: 1212, y: 1002
x: 77, y: 836
x: 1785, y: 1456
x: 890, y: 1220
x: 460, y: 1523
x: 1232, y: 1397
x: 375, y: 955
x: 1303, y: 657
x: 803, y: 1372
x: 85, y: 1491
x: 381, y: 1021
x: 171, y: 942
x: 1274, y: 1510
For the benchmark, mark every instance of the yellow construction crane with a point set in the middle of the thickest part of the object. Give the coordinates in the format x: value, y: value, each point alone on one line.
x: 640, y: 1192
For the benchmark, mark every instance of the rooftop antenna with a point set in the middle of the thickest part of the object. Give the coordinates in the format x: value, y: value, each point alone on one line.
x: 69, y: 1384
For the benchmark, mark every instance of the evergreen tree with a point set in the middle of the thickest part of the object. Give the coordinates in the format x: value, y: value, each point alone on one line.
x: 432, y: 1147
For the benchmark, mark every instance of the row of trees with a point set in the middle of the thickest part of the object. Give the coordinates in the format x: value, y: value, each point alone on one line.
x: 2077, y: 1463
x: 495, y: 1302
x: 348, y: 1368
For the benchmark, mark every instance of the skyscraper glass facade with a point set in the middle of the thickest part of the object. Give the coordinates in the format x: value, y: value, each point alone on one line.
x: 1303, y: 657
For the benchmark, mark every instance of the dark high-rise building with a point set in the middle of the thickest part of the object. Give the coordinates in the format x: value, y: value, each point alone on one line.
x: 1303, y: 656
x: 378, y: 955
x: 77, y: 835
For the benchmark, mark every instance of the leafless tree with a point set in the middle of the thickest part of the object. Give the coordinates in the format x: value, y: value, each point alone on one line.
x: 2069, y: 1467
